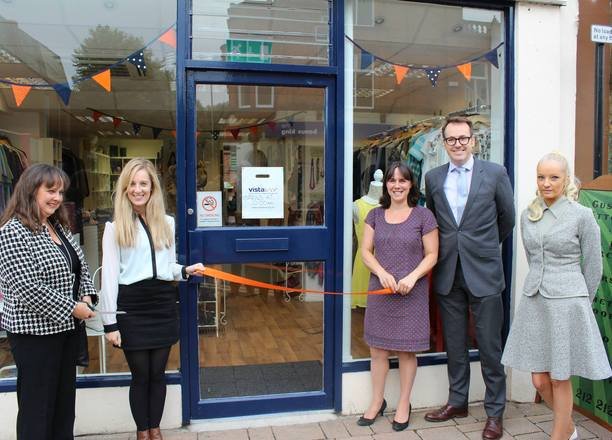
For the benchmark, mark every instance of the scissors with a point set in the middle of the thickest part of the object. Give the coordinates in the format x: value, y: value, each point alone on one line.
x: 105, y: 312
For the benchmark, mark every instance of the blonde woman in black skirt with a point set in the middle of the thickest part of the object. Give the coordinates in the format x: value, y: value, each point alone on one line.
x: 138, y: 272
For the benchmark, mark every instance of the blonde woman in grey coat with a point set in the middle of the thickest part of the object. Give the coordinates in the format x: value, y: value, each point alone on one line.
x: 554, y: 334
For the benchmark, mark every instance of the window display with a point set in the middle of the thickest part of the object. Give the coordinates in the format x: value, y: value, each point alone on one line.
x: 413, y: 64
x: 87, y: 89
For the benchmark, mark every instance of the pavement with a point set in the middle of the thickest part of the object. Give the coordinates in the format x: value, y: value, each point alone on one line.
x: 522, y: 421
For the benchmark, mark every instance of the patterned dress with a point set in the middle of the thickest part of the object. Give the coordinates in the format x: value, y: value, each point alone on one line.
x: 397, y: 322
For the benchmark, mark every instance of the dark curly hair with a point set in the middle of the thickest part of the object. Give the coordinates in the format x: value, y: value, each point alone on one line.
x: 413, y: 194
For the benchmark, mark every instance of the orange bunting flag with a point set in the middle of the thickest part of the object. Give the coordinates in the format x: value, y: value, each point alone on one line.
x: 174, y: 133
x: 400, y: 73
x: 20, y: 93
x: 104, y: 79
x: 466, y: 70
x: 169, y: 37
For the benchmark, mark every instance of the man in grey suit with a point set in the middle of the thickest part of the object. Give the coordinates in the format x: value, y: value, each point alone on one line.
x: 474, y: 206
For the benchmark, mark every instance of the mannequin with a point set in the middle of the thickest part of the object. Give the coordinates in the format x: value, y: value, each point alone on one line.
x: 361, y: 207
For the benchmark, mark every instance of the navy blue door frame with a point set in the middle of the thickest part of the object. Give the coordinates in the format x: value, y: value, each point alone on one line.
x: 217, y: 245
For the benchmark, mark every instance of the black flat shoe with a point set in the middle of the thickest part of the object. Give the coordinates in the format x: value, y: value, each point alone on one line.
x: 364, y: 421
x: 397, y: 426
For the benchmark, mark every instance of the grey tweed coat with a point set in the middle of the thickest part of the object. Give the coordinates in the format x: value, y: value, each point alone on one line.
x: 554, y: 329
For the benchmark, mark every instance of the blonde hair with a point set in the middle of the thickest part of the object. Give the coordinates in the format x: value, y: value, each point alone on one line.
x: 125, y: 216
x: 570, y: 190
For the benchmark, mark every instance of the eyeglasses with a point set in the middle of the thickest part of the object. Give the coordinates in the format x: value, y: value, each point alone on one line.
x: 452, y: 141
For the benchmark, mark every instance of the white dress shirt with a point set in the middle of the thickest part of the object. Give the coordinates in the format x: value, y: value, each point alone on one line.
x: 451, y: 184
x: 129, y: 265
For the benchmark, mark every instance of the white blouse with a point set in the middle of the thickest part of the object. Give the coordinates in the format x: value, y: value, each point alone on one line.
x: 122, y: 265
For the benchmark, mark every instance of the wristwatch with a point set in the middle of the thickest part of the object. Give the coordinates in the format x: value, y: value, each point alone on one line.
x: 184, y: 273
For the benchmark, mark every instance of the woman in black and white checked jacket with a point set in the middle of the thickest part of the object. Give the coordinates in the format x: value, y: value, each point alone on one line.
x: 46, y: 284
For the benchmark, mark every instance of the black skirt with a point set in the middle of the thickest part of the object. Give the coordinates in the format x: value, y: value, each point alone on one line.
x: 151, y: 318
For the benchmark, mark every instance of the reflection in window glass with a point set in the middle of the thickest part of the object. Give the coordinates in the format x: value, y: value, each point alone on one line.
x: 261, y: 31
x: 102, y: 91
x: 241, y: 128
x: 397, y: 113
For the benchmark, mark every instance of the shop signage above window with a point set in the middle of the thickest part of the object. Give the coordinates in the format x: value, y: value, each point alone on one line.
x: 601, y: 33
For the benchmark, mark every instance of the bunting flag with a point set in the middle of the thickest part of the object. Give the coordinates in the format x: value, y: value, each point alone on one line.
x: 63, y: 91
x: 174, y: 133
x: 366, y: 60
x: 104, y: 79
x: 96, y: 115
x: 169, y: 38
x: 432, y: 72
x: 156, y: 132
x: 20, y: 93
x: 466, y: 70
x: 271, y: 124
x: 136, y: 128
x: 117, y: 121
x: 433, y: 75
x: 254, y: 131
x: 235, y: 132
x: 491, y: 57
x: 400, y: 73
x: 138, y: 60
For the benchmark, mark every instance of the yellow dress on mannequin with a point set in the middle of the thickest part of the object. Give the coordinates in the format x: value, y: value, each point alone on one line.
x: 361, y: 207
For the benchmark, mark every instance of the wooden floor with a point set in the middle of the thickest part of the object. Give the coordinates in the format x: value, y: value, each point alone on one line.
x: 262, y: 328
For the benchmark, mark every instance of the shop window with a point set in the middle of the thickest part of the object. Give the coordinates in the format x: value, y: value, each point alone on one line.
x: 87, y: 89
x: 413, y: 64
x: 261, y: 31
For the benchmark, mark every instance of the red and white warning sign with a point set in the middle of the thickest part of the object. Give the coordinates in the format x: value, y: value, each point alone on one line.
x: 209, y: 209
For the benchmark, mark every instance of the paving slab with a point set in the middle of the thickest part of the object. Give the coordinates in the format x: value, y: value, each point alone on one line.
x: 533, y: 436
x: 230, y: 434
x: 402, y: 435
x: 520, y: 426
x: 260, y: 433
x: 445, y: 433
x: 334, y: 429
x: 308, y: 431
x: 477, y: 435
x: 596, y: 429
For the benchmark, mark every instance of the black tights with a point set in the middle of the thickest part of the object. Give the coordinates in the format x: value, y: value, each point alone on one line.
x: 148, y: 387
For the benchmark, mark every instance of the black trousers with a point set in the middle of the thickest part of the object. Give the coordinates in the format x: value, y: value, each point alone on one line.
x: 46, y: 385
x: 488, y: 313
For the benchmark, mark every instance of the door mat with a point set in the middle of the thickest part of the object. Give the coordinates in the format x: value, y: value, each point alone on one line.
x: 257, y: 380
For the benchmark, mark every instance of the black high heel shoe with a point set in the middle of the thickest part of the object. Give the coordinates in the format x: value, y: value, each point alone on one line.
x: 364, y: 421
x: 397, y: 426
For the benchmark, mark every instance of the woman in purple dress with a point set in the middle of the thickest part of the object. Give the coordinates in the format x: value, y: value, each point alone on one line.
x: 400, y: 246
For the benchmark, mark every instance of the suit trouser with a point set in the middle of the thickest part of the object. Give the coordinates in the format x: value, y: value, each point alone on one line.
x: 46, y: 384
x: 488, y: 319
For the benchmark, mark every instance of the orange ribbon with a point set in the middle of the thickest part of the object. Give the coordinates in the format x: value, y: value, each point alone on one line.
x: 225, y: 276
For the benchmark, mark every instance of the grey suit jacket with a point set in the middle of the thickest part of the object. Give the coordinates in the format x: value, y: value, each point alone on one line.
x: 488, y: 218
x: 554, y: 257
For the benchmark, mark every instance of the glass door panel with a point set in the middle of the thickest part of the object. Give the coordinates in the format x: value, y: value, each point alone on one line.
x: 255, y: 341
x: 279, y: 129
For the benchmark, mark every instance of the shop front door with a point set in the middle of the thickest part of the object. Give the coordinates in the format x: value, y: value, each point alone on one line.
x: 260, y: 179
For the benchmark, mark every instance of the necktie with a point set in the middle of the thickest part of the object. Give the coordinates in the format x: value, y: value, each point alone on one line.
x: 462, y: 191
